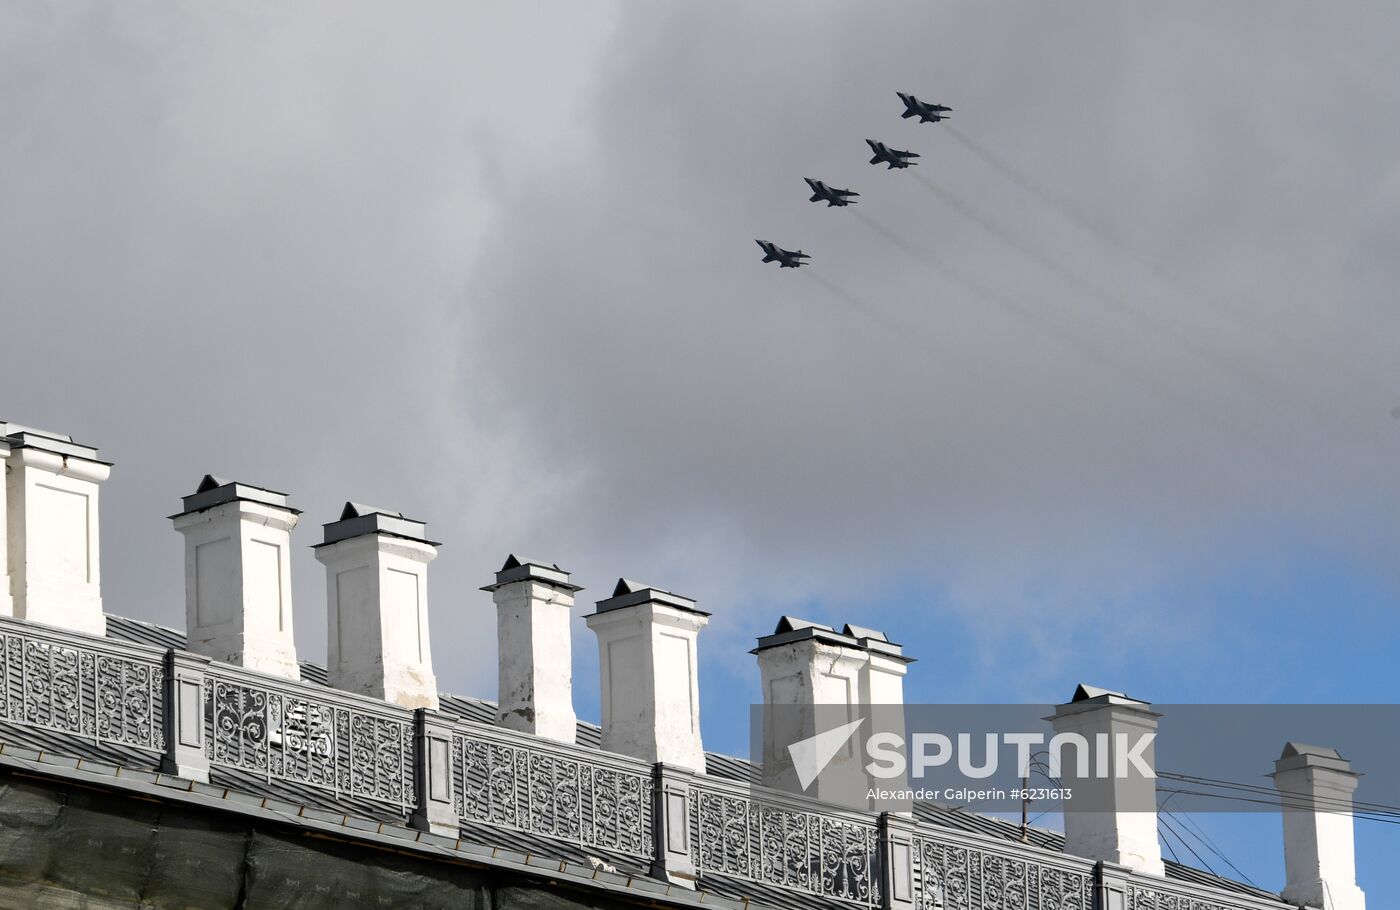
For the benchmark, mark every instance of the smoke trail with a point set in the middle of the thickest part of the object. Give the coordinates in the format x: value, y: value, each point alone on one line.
x: 1229, y: 431
x: 1035, y: 188
x: 1032, y: 317
x: 904, y: 333
x: 1260, y: 385
x: 1218, y: 305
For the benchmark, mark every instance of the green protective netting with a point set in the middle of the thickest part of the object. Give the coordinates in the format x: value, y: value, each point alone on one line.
x: 83, y: 848
x: 76, y: 849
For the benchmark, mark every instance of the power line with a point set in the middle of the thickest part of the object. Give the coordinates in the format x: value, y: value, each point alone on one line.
x: 1385, y: 818
x: 1297, y: 797
x: 1164, y: 820
x: 1186, y: 822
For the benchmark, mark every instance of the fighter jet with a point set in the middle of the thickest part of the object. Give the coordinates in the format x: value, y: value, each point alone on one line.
x: 786, y: 259
x: 893, y: 157
x: 927, y: 113
x: 823, y: 193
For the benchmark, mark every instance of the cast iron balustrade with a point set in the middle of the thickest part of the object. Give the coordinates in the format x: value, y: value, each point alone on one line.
x: 580, y: 795
x: 956, y: 872
x: 777, y: 839
x: 309, y: 735
x: 1176, y: 896
x: 93, y: 688
x: 193, y: 715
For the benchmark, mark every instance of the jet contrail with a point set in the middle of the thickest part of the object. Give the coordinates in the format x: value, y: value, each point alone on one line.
x: 903, y: 333
x: 1034, y: 187
x: 1229, y: 431
x: 1037, y: 320
x: 1256, y: 383
x: 1218, y: 305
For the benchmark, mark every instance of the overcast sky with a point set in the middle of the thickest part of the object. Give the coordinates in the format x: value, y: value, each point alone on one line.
x: 1102, y: 390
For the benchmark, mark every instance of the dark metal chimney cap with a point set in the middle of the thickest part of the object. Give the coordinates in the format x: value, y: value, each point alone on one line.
x: 358, y: 519
x: 1301, y: 755
x: 519, y: 568
x: 215, y: 491
x: 629, y: 593
x: 792, y: 629
x: 19, y: 436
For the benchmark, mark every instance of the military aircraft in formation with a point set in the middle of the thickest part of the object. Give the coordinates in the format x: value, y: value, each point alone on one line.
x: 883, y: 154
x: 786, y: 259
x: 927, y: 113
x: 830, y: 195
x: 893, y: 157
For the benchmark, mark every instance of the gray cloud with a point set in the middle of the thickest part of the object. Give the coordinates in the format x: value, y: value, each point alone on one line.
x: 497, y: 268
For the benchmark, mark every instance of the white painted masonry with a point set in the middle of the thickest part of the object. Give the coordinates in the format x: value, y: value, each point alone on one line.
x: 51, y: 509
x: 7, y: 601
x: 238, y: 584
x: 647, y: 659
x: 811, y: 682
x: 1316, y: 785
x: 1124, y: 833
x: 536, y: 693
x: 377, y: 605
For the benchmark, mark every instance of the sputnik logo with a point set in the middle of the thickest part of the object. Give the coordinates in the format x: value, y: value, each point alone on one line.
x: 811, y: 756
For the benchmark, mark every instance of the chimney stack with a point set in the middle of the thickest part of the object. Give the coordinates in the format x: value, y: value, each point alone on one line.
x: 51, y: 486
x: 533, y: 602
x: 647, y: 660
x: 238, y: 578
x: 1119, y: 823
x: 1315, y: 785
x: 882, y: 677
x: 7, y: 601
x: 377, y: 605
x: 816, y: 679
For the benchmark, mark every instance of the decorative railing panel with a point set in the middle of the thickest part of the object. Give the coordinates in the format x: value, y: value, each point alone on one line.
x: 1144, y: 897
x: 88, y: 688
x: 309, y: 735
x: 822, y: 852
x: 585, y: 797
x: 954, y: 874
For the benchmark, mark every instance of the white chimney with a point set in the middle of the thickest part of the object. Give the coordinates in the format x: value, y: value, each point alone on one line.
x: 1315, y: 785
x: 377, y: 605
x: 51, y: 488
x: 7, y: 602
x: 533, y: 602
x: 882, y: 677
x: 816, y: 679
x: 1119, y: 821
x: 647, y: 660
x: 238, y: 576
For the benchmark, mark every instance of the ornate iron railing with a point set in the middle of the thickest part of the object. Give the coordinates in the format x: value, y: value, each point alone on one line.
x: 309, y: 735
x: 93, y: 688
x: 781, y: 841
x: 1175, y: 896
x: 958, y: 873
x: 199, y: 716
x: 587, y: 797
